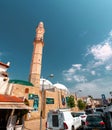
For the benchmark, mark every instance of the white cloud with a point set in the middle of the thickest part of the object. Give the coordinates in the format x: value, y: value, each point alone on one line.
x: 71, y: 73
x: 98, y: 63
x: 77, y: 73
x: 77, y: 66
x: 79, y: 78
x: 92, y: 77
x: 68, y: 78
x: 94, y: 88
x: 93, y: 72
x: 110, y: 34
x: 108, y: 67
x: 71, y: 70
x: 101, y: 52
x: 87, y: 89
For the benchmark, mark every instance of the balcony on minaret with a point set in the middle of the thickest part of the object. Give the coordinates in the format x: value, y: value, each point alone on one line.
x: 40, y: 32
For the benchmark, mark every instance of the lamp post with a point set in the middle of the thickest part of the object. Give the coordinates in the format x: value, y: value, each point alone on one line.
x: 42, y: 99
x: 77, y: 92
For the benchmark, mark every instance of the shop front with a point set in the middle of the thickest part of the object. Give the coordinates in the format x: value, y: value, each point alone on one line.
x: 12, y: 113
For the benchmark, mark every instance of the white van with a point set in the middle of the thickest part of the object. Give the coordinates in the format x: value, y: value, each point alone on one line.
x: 62, y: 119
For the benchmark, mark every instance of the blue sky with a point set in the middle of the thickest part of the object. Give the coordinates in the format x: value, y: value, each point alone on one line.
x: 78, y: 41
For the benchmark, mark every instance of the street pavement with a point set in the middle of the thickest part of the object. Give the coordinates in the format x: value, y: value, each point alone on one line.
x: 34, y: 124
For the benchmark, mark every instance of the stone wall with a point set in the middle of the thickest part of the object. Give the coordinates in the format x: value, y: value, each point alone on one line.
x: 23, y: 91
x: 57, y: 96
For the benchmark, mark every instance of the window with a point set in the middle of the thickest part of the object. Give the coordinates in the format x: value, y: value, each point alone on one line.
x: 55, y: 122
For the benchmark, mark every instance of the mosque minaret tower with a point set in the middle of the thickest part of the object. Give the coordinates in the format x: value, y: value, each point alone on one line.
x: 36, y: 63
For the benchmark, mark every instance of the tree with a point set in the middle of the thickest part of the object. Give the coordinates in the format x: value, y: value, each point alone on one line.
x: 81, y: 104
x: 70, y: 101
x: 24, y: 111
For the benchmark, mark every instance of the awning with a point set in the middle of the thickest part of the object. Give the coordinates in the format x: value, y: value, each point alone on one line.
x: 11, y: 105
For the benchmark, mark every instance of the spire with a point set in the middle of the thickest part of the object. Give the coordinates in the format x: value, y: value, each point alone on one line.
x: 40, y: 32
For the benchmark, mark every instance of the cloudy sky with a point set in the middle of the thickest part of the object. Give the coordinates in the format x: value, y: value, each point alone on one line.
x: 95, y: 76
x: 78, y: 42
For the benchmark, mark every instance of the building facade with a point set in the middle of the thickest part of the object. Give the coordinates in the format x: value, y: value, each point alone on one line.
x: 51, y: 97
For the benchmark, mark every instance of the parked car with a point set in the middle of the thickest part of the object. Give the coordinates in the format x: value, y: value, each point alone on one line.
x: 100, y: 109
x: 94, y: 122
x: 81, y: 114
x: 108, y: 117
x: 100, y: 113
x: 62, y: 119
x: 89, y: 111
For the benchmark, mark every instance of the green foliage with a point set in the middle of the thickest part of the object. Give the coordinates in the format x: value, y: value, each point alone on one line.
x: 70, y: 101
x: 24, y: 111
x: 81, y: 104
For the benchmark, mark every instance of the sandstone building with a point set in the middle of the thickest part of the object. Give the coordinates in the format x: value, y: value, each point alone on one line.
x: 41, y: 94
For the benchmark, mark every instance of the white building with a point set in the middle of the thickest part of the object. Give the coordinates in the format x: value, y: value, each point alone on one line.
x: 3, y: 77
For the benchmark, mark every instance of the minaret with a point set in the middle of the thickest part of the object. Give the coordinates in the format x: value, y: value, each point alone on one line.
x: 35, y: 69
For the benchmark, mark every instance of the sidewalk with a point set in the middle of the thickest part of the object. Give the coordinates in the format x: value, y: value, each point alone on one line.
x: 34, y: 124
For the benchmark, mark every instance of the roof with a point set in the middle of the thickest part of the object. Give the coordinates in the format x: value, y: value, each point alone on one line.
x: 5, y: 65
x: 12, y: 105
x: 22, y: 82
x: 5, y: 74
x: 12, y: 102
x: 8, y: 98
x: 60, y: 86
x: 46, y: 83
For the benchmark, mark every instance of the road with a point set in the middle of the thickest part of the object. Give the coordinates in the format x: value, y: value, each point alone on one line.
x: 35, y: 125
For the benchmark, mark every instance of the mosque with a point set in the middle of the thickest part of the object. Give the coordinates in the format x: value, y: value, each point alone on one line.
x: 40, y: 93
